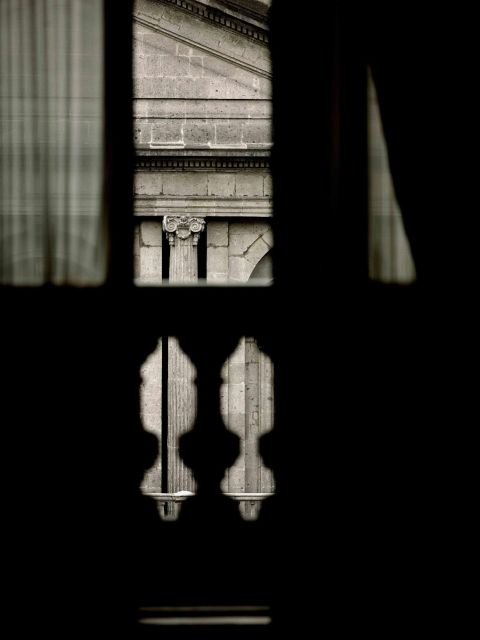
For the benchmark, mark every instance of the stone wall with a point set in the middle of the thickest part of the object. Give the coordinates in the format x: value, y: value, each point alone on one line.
x: 235, y: 248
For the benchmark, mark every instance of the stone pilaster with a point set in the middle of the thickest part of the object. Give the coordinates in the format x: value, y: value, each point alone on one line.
x: 183, y: 233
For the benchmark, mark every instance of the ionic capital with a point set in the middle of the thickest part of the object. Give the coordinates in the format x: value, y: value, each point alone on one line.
x: 182, y: 228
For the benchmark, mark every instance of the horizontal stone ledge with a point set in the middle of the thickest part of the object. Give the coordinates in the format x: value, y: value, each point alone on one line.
x: 205, y: 207
x: 219, y: 213
x: 210, y: 146
x: 146, y: 151
x: 184, y: 495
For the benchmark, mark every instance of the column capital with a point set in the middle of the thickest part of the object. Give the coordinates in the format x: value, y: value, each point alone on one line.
x: 183, y: 228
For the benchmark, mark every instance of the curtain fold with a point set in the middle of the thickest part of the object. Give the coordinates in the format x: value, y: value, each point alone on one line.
x: 51, y: 152
x: 390, y: 256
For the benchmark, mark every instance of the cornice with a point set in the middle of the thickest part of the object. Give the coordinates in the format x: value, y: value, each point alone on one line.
x: 203, y: 206
x: 154, y: 163
x: 225, y: 18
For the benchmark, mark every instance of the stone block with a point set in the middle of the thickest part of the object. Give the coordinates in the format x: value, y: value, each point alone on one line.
x: 151, y: 265
x: 151, y: 233
x: 249, y: 183
x: 204, y: 33
x: 261, y: 227
x: 240, y: 243
x: 237, y: 228
x: 196, y: 66
x: 172, y: 18
x: 192, y: 88
x: 238, y: 269
x: 196, y: 132
x: 174, y: 66
x: 185, y: 184
x: 139, y: 29
x: 217, y: 233
x: 236, y: 90
x: 154, y: 87
x: 217, y: 263
x: 183, y: 49
x: 264, y: 58
x: 196, y: 109
x: 142, y: 132
x: 152, y: 66
x: 167, y: 131
x: 259, y: 109
x: 252, y: 51
x: 227, y: 109
x: 257, y: 132
x: 265, y: 89
x: 165, y: 88
x: 217, y: 278
x: 268, y: 238
x: 268, y: 185
x: 148, y: 183
x: 256, y: 252
x: 138, y: 65
x: 221, y: 184
x: 231, y: 44
x: 230, y: 132
x: 166, y: 108
x: 244, y: 77
x: 225, y: 88
x: 157, y: 44
x: 140, y: 108
x: 215, y: 67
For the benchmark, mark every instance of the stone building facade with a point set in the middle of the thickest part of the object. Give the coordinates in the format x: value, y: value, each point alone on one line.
x: 203, y: 205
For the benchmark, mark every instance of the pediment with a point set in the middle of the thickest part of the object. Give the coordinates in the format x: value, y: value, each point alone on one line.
x: 212, y: 33
x: 197, y: 85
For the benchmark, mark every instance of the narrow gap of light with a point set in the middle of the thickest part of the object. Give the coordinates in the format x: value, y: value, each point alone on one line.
x: 207, y: 620
x: 204, y: 608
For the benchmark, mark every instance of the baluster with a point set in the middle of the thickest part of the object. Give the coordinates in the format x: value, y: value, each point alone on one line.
x: 209, y: 448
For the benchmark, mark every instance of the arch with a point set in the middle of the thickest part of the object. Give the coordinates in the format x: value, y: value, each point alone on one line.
x: 263, y: 270
x: 256, y: 252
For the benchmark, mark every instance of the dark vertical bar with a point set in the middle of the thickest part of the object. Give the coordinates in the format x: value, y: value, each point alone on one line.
x: 119, y: 153
x: 349, y: 166
x: 165, y: 259
x: 202, y: 255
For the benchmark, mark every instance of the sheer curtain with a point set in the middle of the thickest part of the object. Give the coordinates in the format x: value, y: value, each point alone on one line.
x: 51, y: 151
x: 390, y: 256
